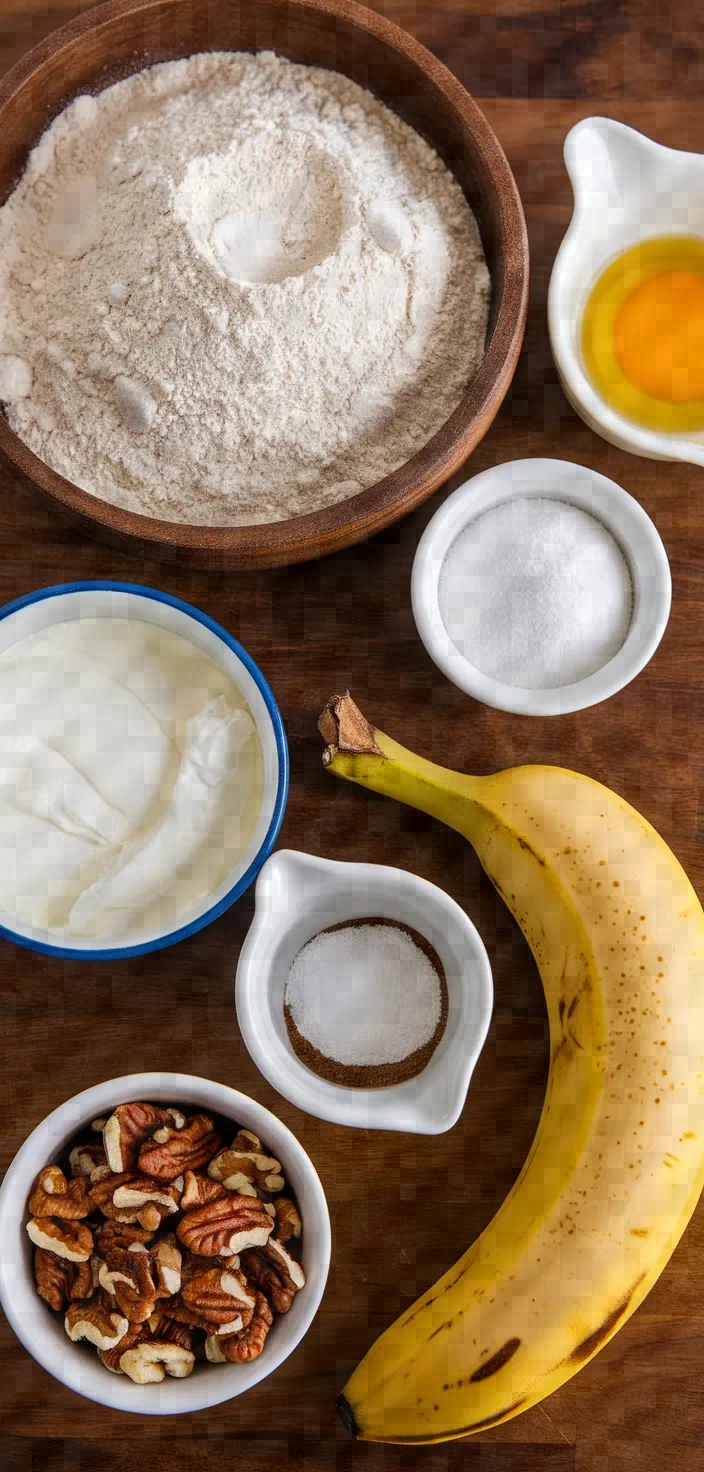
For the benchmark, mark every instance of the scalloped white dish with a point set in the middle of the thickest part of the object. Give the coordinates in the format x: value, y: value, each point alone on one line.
x: 627, y: 189
x: 297, y: 896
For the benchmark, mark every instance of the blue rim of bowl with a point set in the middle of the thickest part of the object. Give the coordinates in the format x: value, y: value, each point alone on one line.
x: 120, y: 953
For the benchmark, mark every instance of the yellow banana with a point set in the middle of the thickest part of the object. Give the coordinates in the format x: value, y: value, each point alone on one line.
x: 617, y: 1164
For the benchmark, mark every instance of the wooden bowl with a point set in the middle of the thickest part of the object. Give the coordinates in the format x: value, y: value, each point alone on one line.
x: 121, y: 37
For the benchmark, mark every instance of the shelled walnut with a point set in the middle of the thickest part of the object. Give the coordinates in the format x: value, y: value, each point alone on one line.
x: 160, y: 1244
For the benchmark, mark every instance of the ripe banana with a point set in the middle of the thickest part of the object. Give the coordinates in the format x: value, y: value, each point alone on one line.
x: 617, y: 1163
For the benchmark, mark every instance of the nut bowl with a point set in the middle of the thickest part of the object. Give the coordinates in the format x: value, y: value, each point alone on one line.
x: 121, y: 37
x: 42, y: 1332
x: 297, y: 896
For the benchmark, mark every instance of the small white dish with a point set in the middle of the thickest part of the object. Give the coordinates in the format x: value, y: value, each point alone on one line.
x: 602, y: 498
x: 297, y: 896
x: 626, y: 189
x: 77, y: 1365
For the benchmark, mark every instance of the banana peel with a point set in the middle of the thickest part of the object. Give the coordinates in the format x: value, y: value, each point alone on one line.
x: 617, y: 1164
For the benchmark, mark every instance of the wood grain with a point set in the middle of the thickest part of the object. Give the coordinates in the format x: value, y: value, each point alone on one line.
x: 402, y: 1209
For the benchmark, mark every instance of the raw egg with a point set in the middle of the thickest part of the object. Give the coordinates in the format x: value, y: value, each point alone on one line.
x: 643, y: 334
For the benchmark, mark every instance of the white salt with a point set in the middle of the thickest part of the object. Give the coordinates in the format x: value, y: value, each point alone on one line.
x: 364, y: 994
x: 536, y: 593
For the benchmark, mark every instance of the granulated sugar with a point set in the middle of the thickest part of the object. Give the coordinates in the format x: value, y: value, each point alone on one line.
x: 364, y: 994
x: 536, y: 593
x: 233, y: 289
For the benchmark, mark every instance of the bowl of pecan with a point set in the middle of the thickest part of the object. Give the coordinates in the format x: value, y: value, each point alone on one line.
x: 164, y: 1243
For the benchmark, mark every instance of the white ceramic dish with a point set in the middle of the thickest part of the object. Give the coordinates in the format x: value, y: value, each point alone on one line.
x: 77, y: 1365
x: 626, y: 520
x: 626, y: 189
x: 297, y: 896
x: 49, y: 606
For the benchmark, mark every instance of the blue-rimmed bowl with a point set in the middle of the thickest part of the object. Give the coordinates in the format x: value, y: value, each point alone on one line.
x: 69, y: 601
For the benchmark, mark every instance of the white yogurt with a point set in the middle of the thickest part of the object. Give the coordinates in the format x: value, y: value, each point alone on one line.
x: 130, y: 778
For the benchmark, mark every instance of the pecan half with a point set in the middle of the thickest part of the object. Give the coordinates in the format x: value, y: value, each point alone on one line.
x: 130, y: 1197
x: 120, y: 1234
x: 101, y: 1172
x: 150, y: 1216
x: 53, y: 1195
x: 111, y: 1357
x: 84, y: 1159
x: 102, y: 1191
x: 172, y: 1151
x: 192, y: 1264
x: 167, y: 1331
x: 288, y: 1222
x: 247, y: 1140
x: 127, y: 1129
x: 128, y: 1274
x: 218, y: 1298
x: 246, y: 1345
x: 59, y: 1281
x: 276, y: 1273
x: 92, y: 1322
x: 199, y: 1189
x: 141, y: 1191
x: 235, y: 1165
x: 179, y: 1312
x: 167, y: 1262
x: 150, y: 1360
x: 72, y: 1240
x: 146, y: 1356
x: 225, y: 1226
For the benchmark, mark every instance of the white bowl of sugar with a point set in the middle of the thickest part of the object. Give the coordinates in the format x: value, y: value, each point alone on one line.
x: 541, y: 587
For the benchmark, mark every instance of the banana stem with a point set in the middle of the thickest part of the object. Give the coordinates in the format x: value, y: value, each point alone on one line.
x: 358, y: 753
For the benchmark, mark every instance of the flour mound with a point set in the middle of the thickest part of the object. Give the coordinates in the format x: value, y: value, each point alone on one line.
x: 235, y: 290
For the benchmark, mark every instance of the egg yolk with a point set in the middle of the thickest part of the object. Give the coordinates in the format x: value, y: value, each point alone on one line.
x: 659, y: 336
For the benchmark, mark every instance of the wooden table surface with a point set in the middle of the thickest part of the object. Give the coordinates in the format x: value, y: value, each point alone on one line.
x: 402, y: 1208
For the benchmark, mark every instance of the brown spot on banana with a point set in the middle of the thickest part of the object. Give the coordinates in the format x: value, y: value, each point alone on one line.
x: 497, y: 886
x: 522, y: 843
x: 346, y: 1414
x: 497, y: 1361
x: 594, y: 1341
x: 446, y: 1325
x: 473, y: 1426
x: 567, y: 1044
x: 491, y: 1420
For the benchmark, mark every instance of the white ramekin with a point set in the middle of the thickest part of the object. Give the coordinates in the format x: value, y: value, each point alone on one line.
x: 297, y: 895
x: 69, y: 601
x: 77, y: 1365
x: 629, y: 524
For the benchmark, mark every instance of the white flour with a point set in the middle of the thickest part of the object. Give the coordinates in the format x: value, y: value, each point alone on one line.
x: 235, y: 290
